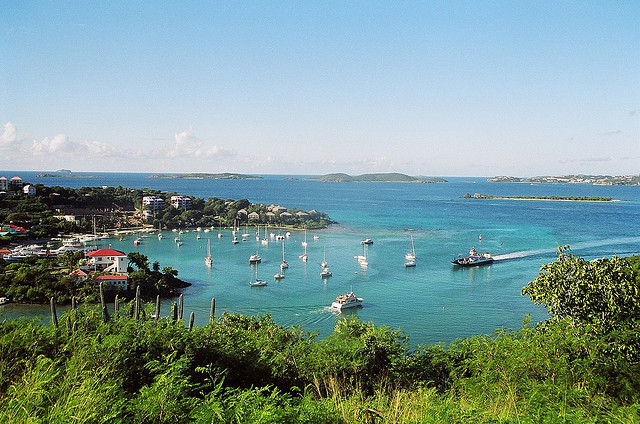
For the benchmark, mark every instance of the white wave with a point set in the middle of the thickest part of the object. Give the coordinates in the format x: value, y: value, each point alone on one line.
x: 574, y: 247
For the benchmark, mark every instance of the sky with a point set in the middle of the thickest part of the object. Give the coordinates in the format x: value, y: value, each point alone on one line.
x: 442, y: 88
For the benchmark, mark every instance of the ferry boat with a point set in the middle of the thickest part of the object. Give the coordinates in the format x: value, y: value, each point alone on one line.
x: 474, y: 259
x: 348, y: 300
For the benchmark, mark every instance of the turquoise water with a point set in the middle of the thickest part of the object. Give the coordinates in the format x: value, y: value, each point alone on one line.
x: 433, y: 302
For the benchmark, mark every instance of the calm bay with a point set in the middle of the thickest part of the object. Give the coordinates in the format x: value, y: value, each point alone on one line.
x: 433, y: 302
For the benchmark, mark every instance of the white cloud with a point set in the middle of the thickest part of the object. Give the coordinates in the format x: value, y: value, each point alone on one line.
x: 53, y: 146
x: 9, y: 135
x: 189, y: 146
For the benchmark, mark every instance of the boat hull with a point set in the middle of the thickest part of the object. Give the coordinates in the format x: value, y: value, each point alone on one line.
x: 469, y: 262
x: 340, y: 306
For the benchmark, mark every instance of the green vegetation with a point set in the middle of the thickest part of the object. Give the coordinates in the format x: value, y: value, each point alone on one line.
x: 36, y: 280
x: 116, y: 208
x: 558, y: 198
x: 384, y: 177
x: 204, y: 176
x: 123, y: 368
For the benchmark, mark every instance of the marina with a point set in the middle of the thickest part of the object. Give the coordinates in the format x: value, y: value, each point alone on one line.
x: 441, y: 302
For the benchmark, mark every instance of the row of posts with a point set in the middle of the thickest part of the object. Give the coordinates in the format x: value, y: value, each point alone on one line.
x: 177, y: 309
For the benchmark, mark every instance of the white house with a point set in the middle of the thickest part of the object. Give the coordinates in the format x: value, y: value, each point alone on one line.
x: 110, y: 260
x: 181, y: 202
x: 116, y: 280
x: 153, y: 203
x: 29, y: 190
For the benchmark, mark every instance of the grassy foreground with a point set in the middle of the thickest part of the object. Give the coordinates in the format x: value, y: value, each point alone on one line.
x: 243, y: 369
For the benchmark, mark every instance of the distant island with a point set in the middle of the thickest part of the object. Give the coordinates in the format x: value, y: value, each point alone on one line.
x: 557, y: 198
x: 383, y: 177
x: 62, y: 173
x: 572, y: 179
x: 205, y: 176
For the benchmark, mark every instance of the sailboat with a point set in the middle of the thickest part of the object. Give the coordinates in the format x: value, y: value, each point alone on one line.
x: 284, y: 264
x: 246, y: 233
x: 265, y: 240
x: 324, y: 263
x: 362, y: 259
x: 207, y: 260
x: 257, y: 282
x: 304, y: 256
x: 304, y: 243
x: 411, y: 256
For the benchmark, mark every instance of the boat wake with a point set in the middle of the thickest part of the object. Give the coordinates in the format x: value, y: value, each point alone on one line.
x: 574, y: 247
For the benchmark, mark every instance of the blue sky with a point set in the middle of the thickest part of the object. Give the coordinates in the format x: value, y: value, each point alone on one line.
x: 456, y: 88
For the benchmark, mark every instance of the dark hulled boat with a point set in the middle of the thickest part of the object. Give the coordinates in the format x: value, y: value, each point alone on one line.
x: 474, y: 259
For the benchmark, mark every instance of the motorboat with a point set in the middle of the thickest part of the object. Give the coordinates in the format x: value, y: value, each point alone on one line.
x: 255, y: 259
x: 278, y: 276
x: 366, y: 241
x: 474, y: 259
x: 345, y: 301
x: 410, y: 264
x: 325, y: 273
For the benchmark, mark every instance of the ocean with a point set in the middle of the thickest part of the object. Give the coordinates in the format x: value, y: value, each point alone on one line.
x: 433, y: 302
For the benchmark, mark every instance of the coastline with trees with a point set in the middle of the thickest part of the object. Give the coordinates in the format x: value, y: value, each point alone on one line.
x: 581, y: 365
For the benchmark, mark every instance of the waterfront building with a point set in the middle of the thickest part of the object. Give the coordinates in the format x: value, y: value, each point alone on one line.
x: 181, y: 202
x: 114, y: 280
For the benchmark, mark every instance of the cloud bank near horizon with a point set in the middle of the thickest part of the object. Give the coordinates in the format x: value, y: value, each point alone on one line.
x: 187, y: 152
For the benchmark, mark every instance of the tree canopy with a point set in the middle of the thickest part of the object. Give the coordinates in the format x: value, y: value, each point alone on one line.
x: 602, y: 291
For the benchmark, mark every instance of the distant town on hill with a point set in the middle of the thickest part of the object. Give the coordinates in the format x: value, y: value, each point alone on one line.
x: 572, y: 179
x: 383, y: 177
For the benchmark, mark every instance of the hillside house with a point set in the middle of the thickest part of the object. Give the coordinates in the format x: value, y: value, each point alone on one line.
x: 109, y: 260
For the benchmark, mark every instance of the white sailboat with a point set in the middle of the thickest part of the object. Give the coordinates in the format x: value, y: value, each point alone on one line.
x: 362, y: 259
x: 207, y: 260
x: 411, y: 256
x: 257, y: 282
x: 304, y: 256
x: 265, y: 240
x: 304, y: 243
x: 324, y: 263
x: 284, y: 264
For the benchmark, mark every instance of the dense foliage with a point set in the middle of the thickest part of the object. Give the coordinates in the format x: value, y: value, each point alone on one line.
x: 243, y: 369
x: 39, y: 279
x: 113, y: 208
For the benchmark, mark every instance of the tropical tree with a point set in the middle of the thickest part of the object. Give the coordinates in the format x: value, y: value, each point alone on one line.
x: 601, y: 291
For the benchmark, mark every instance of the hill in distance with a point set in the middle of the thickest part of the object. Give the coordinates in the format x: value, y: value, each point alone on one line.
x: 392, y: 177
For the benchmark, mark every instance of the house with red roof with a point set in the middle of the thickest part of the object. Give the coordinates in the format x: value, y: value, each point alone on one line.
x: 109, y: 260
